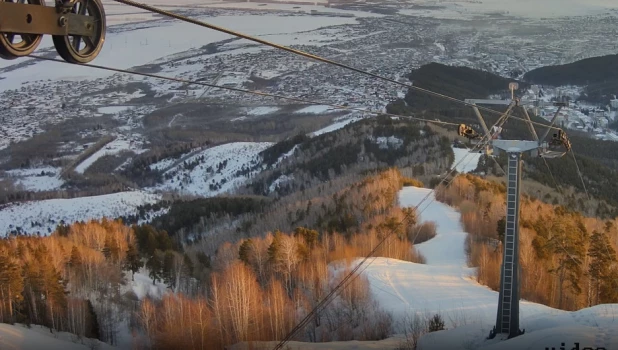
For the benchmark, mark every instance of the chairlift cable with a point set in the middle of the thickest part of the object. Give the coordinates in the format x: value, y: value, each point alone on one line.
x: 579, y: 173
x: 558, y: 187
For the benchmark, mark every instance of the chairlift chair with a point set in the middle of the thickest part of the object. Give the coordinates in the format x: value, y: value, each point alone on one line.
x: 468, y: 132
x: 557, y: 147
x: 474, y: 137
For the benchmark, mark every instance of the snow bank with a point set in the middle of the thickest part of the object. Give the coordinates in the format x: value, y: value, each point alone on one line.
x: 47, y: 214
x: 19, y: 337
x: 468, y: 164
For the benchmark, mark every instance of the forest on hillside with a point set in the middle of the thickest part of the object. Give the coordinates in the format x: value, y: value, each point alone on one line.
x: 457, y: 82
x: 568, y: 261
x: 79, y: 279
x: 599, y: 76
x: 583, y: 72
x: 362, y: 147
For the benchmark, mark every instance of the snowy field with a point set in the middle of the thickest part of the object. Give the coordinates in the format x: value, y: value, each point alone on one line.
x: 36, y: 179
x: 47, y: 214
x: 197, y: 181
x: 469, y: 163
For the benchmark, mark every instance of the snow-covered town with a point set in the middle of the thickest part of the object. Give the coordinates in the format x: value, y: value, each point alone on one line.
x: 387, y: 45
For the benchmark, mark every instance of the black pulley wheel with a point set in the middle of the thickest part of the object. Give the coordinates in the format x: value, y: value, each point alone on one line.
x: 83, y: 49
x: 14, y: 45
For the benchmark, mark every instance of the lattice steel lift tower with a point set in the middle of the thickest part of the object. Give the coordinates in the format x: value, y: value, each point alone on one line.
x: 507, y: 319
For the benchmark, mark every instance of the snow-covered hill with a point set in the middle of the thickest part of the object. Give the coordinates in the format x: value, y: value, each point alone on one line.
x: 47, y: 214
x: 446, y: 285
x: 212, y: 171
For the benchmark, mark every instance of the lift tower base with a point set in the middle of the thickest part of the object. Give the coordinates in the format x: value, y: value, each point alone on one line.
x: 507, y: 320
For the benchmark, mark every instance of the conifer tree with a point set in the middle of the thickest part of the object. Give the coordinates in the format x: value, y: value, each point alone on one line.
x: 567, y: 246
x: 245, y: 250
x: 132, y: 261
x: 602, y: 275
x: 167, y: 270
x: 154, y: 266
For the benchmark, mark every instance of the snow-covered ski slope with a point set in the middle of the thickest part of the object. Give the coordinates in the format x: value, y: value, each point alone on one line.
x: 469, y: 163
x: 446, y: 285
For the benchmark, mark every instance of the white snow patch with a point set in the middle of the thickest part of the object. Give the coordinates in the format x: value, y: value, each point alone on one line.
x: 40, y: 183
x: 143, y: 287
x: 111, y: 148
x: 113, y: 109
x: 262, y: 110
x: 162, y: 164
x: 339, y: 124
x: 47, y: 214
x: 281, y: 180
x: 197, y: 181
x: 32, y: 180
x: 388, y: 142
x: 469, y: 163
x: 19, y: 337
x: 317, y: 109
